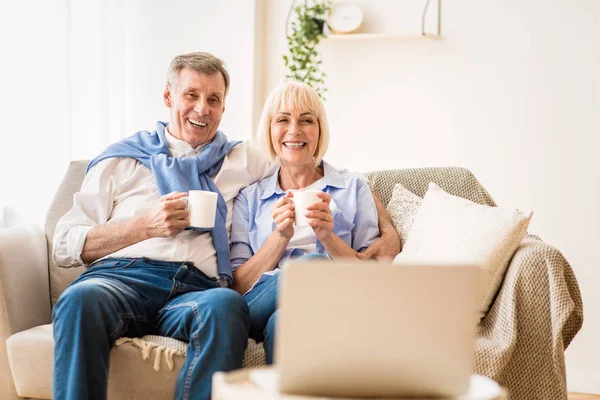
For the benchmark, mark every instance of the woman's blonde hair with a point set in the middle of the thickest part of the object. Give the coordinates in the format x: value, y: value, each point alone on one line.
x: 293, y: 95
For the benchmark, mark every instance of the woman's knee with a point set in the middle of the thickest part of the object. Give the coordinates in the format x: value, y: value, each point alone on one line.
x: 271, y: 325
x: 269, y: 343
x: 264, y: 295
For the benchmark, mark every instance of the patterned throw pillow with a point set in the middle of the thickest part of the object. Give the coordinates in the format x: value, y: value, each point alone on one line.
x: 402, y: 209
x: 449, y: 229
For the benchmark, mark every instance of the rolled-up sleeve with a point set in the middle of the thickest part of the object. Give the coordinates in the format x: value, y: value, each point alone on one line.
x: 366, y: 222
x: 92, y: 206
x: 241, y: 251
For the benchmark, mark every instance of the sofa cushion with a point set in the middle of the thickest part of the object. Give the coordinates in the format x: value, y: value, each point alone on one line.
x: 450, y: 229
x: 402, y: 209
x: 140, y: 368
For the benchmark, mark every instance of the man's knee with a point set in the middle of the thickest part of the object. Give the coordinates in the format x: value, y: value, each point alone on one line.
x: 225, y: 308
x: 93, y: 302
x: 225, y: 300
x: 79, y: 297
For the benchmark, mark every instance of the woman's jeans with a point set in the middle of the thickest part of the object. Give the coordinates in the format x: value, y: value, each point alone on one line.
x: 135, y: 297
x: 262, y: 303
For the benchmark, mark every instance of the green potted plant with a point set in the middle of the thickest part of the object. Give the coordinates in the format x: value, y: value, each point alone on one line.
x: 306, y: 31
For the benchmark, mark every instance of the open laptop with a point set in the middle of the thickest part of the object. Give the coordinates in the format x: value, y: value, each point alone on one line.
x: 366, y: 329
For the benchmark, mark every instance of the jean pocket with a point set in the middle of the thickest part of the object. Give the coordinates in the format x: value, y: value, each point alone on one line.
x: 112, y: 263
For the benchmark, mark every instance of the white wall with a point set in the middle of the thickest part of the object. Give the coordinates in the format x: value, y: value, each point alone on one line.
x: 34, y: 103
x: 79, y: 75
x: 158, y: 31
x: 511, y: 93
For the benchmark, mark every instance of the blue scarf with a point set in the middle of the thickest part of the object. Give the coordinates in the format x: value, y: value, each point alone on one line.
x: 181, y: 174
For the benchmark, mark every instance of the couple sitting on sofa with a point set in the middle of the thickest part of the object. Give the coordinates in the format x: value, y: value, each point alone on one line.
x: 149, y: 271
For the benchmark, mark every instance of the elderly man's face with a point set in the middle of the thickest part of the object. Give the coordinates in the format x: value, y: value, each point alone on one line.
x: 197, y: 103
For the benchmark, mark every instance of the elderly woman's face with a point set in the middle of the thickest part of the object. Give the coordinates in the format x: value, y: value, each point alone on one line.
x: 295, y: 135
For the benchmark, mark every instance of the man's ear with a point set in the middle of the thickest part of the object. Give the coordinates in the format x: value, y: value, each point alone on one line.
x: 167, y: 96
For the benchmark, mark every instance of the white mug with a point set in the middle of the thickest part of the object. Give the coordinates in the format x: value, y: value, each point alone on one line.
x: 203, y: 208
x: 303, y: 199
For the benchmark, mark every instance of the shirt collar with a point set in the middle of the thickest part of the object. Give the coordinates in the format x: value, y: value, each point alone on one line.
x: 331, y: 177
x: 180, y: 145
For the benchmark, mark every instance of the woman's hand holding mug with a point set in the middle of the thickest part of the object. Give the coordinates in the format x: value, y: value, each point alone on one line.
x: 320, y: 217
x: 283, y: 216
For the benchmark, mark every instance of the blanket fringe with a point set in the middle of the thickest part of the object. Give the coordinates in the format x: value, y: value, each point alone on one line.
x: 146, y: 348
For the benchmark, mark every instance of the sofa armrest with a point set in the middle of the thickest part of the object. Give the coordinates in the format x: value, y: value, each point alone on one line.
x: 24, y: 285
x: 536, y: 313
x: 24, y: 291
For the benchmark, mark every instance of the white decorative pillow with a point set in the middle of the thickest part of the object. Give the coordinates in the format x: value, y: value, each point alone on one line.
x: 402, y: 209
x: 450, y: 229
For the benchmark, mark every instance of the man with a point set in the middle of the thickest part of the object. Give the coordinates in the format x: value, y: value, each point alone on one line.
x: 148, y: 272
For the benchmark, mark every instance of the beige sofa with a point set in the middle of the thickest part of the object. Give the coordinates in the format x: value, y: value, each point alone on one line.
x: 520, y: 343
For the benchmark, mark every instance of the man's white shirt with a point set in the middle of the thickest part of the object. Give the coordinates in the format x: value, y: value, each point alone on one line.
x: 117, y: 189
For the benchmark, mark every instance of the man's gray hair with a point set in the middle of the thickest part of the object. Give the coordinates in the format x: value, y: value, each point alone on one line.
x: 205, y: 63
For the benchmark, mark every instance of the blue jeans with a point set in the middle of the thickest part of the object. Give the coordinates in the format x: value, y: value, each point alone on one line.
x: 136, y: 297
x: 262, y: 304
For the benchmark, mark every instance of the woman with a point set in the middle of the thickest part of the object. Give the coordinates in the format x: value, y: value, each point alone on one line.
x: 294, y: 129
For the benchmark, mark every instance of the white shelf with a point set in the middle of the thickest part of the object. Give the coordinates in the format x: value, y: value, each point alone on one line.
x: 380, y: 36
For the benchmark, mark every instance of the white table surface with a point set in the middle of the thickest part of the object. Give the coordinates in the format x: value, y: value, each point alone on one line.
x: 261, y: 383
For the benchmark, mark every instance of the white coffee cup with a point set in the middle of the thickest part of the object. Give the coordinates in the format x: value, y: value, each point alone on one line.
x: 303, y: 199
x: 203, y: 208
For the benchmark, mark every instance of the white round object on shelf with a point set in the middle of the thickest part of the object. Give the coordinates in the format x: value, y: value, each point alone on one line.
x: 345, y: 18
